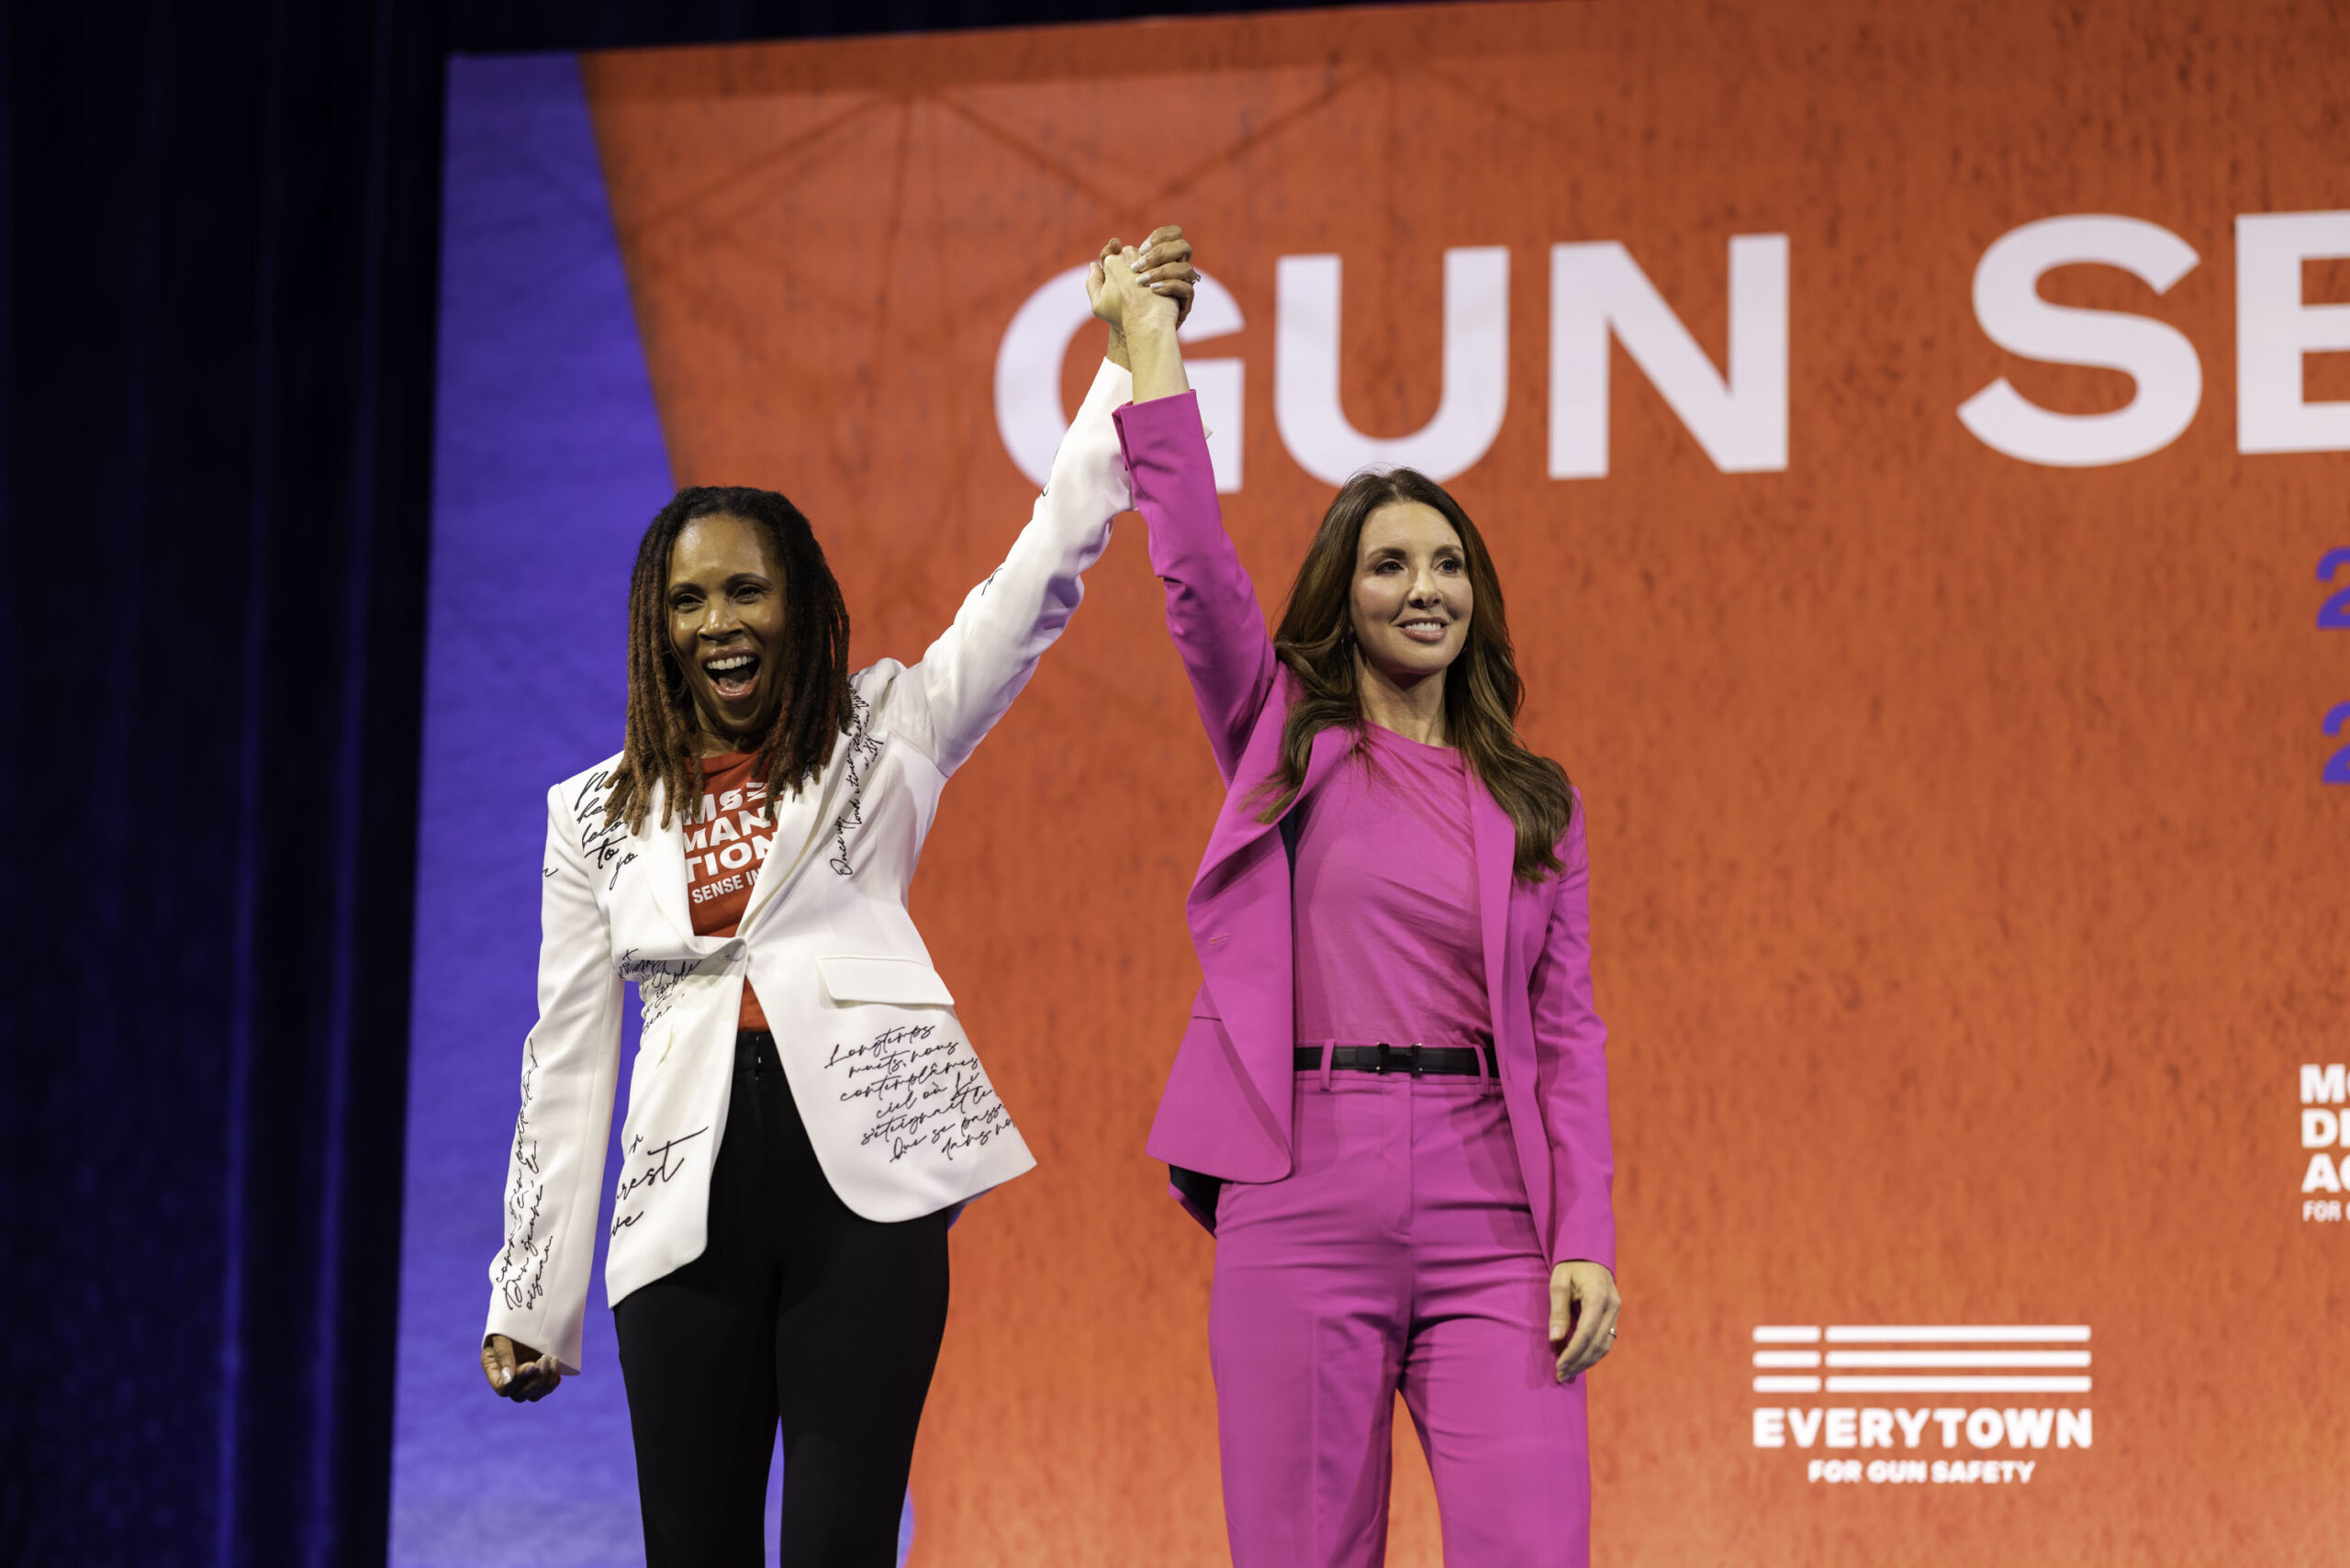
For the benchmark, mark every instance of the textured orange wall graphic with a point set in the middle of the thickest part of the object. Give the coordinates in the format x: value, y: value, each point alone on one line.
x: 1967, y: 895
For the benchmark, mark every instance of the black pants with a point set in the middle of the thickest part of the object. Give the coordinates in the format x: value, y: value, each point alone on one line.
x: 799, y: 1311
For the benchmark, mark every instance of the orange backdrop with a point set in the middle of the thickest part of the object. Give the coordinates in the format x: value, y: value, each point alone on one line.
x: 1966, y: 893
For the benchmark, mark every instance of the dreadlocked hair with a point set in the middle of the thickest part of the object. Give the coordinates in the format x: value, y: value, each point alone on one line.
x: 661, y: 746
x: 1482, y: 691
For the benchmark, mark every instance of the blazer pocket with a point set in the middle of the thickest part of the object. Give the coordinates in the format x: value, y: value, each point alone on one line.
x: 902, y: 982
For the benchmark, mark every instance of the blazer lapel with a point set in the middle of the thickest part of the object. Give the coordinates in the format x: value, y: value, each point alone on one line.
x: 1240, y: 914
x: 1493, y: 842
x: 1496, y: 848
x: 801, y: 822
x: 663, y: 852
x: 1237, y: 826
x: 1328, y: 747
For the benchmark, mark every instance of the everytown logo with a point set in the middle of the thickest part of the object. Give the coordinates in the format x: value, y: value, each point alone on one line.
x: 1950, y: 1361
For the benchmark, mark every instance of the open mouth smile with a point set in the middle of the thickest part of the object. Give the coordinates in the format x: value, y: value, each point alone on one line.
x: 732, y: 676
x: 1425, y: 628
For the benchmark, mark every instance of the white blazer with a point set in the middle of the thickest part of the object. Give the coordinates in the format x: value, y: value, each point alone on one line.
x: 899, y: 1111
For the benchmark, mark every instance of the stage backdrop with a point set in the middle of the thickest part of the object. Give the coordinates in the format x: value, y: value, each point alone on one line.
x: 1913, y: 440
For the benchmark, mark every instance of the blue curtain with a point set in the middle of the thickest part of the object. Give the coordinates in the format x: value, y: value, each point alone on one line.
x: 220, y: 270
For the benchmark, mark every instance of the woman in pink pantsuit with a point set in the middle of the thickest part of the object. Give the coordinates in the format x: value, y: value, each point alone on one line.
x: 1391, y: 1105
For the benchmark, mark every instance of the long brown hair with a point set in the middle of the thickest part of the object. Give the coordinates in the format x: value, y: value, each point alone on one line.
x: 1481, y: 690
x: 817, y: 704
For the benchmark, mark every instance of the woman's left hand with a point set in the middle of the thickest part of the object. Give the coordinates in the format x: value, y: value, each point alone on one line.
x: 1583, y: 1306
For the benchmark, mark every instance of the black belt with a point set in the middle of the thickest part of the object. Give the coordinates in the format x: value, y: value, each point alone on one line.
x: 1414, y: 1059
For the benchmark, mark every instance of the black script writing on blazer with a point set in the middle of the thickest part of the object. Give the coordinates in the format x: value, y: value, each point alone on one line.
x: 656, y: 1166
x: 599, y: 842
x: 863, y: 750
x: 978, y: 1128
x: 897, y: 1067
x: 519, y: 1270
x: 922, y: 1089
x: 655, y: 981
x: 979, y: 1115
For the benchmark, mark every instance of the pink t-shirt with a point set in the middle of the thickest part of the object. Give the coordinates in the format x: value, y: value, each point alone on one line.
x: 1389, y: 941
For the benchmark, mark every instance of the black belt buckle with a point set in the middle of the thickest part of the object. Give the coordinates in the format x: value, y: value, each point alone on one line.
x: 1410, y: 1055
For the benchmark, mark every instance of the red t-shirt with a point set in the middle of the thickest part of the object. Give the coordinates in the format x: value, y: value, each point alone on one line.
x: 726, y: 847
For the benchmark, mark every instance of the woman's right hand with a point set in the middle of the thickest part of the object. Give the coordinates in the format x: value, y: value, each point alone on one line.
x: 517, y: 1371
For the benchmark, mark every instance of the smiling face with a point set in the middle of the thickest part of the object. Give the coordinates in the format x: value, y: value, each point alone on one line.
x: 726, y: 624
x: 1411, y: 598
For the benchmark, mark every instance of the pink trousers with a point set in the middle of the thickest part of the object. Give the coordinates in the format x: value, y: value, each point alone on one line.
x: 1399, y: 1253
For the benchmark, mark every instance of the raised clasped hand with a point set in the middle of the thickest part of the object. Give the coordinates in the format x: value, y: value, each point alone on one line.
x: 1133, y: 288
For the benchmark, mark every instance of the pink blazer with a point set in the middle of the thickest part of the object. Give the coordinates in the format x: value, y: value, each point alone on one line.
x: 1225, y: 1113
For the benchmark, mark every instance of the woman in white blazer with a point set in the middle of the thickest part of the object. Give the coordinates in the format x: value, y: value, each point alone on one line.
x: 804, y: 1112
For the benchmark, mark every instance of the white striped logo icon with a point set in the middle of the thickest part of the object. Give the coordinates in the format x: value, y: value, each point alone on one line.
x: 1962, y: 1357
